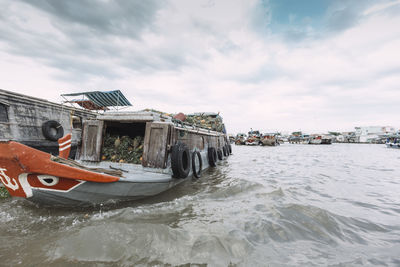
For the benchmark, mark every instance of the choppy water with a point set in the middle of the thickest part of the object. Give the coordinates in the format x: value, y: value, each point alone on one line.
x: 292, y: 205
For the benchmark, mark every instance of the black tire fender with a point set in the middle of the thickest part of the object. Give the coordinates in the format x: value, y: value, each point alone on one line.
x: 219, y: 153
x: 180, y: 160
x: 52, y: 130
x: 225, y: 151
x: 212, y: 156
x: 196, y: 173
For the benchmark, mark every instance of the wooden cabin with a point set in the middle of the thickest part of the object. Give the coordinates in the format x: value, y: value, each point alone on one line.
x: 160, y: 133
x: 22, y: 119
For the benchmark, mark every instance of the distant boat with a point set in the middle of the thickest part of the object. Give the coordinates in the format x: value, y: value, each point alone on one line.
x: 393, y: 141
x: 240, y: 139
x: 299, y: 138
x: 320, y: 140
x: 269, y: 140
x: 253, y: 138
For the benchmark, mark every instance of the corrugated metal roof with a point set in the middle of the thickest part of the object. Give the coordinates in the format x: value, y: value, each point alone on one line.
x: 88, y: 104
x: 105, y: 99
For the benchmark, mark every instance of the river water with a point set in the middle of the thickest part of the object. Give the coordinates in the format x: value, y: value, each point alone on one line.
x: 291, y: 205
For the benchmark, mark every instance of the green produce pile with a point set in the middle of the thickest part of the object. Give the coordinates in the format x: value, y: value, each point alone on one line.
x: 4, y: 193
x: 123, y: 149
x: 212, y: 122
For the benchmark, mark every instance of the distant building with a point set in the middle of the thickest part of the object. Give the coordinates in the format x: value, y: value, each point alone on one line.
x: 373, y: 134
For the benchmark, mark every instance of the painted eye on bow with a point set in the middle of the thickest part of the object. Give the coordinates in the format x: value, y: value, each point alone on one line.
x: 48, y: 180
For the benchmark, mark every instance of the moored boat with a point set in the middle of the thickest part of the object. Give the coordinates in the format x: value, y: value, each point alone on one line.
x: 269, y: 140
x: 253, y: 138
x: 240, y: 139
x: 299, y: 138
x: 315, y: 140
x: 393, y: 141
x: 320, y: 140
x: 172, y: 152
x: 325, y: 140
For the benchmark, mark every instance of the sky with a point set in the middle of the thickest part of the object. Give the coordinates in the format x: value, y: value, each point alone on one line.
x: 271, y: 65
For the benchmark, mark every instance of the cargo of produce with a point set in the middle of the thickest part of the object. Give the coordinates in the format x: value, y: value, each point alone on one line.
x: 122, y: 149
x: 210, y: 121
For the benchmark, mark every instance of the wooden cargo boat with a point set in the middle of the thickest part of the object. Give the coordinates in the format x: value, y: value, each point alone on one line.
x: 253, y: 138
x: 269, y: 140
x: 172, y: 152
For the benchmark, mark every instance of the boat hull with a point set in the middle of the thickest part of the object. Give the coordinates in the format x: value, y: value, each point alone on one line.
x: 252, y: 143
x: 323, y: 141
x: 32, y: 174
x: 326, y: 141
x: 392, y: 145
x: 315, y: 141
x: 92, y: 193
x: 269, y: 142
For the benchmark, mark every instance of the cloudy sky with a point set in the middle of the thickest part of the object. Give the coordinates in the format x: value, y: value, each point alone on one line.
x: 311, y: 65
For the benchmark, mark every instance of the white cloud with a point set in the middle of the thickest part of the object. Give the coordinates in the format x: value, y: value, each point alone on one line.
x: 380, y: 6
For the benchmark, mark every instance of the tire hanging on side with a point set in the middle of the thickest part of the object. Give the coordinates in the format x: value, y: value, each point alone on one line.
x: 219, y: 153
x: 225, y: 151
x: 180, y: 160
x: 212, y: 156
x: 196, y: 173
x: 52, y: 130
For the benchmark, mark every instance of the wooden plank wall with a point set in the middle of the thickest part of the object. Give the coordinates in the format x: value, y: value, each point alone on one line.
x: 156, y: 142
x: 197, y: 140
x: 92, y: 139
x: 159, y: 137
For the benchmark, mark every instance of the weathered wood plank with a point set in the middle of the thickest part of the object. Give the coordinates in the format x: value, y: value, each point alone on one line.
x: 155, y: 145
x: 92, y: 138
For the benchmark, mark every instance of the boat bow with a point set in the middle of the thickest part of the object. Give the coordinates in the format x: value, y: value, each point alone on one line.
x: 20, y: 163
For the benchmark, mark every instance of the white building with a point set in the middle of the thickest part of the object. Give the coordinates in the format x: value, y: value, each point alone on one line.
x: 370, y: 134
